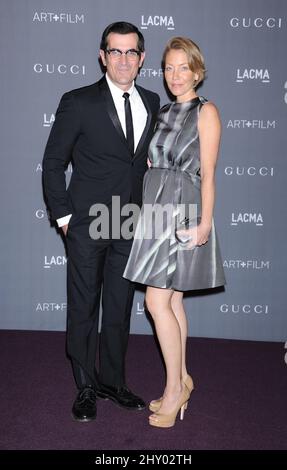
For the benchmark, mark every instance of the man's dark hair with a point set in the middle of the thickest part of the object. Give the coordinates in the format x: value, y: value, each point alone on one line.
x: 121, y: 27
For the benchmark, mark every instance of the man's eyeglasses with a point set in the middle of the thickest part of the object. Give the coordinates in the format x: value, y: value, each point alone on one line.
x: 131, y: 54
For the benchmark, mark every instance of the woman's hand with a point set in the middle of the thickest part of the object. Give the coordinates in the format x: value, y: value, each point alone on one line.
x: 203, y: 231
x: 198, y: 235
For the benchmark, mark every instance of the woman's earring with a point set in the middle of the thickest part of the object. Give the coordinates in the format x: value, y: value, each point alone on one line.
x: 195, y: 80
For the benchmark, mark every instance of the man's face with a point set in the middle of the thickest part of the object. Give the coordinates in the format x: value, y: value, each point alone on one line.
x: 122, y: 70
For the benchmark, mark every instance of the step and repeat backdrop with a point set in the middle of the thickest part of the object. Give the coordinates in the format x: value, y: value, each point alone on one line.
x: 48, y: 47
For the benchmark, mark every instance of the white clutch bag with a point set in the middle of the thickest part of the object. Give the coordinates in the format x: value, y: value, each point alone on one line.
x: 183, y: 238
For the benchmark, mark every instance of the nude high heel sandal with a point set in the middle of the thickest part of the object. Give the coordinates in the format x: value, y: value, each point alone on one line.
x: 155, y: 405
x: 161, y: 420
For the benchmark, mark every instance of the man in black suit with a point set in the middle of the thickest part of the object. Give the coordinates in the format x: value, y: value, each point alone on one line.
x: 105, y: 129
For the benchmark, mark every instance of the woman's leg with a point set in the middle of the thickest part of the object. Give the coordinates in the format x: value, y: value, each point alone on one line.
x: 158, y: 302
x: 179, y: 312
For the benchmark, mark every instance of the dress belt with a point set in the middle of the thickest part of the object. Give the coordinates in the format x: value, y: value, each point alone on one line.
x: 192, y: 176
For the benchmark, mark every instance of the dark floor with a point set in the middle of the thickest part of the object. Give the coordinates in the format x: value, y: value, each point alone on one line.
x: 240, y: 400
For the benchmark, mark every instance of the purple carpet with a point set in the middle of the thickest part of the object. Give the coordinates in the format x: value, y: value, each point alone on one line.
x: 239, y: 400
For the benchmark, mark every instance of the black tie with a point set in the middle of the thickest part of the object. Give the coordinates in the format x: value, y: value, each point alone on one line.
x: 129, y: 123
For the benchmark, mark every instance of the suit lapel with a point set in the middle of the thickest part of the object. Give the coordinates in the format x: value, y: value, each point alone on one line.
x: 148, y: 121
x: 112, y: 112
x: 111, y: 109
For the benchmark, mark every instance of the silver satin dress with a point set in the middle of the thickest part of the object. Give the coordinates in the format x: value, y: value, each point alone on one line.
x: 173, y: 179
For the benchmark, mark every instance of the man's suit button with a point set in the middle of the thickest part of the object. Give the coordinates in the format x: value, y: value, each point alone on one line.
x: 132, y: 163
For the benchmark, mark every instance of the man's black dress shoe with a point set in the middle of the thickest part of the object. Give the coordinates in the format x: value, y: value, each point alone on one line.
x: 85, y: 406
x: 122, y: 396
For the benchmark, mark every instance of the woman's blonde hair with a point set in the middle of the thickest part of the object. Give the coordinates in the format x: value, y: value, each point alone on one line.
x: 194, y: 55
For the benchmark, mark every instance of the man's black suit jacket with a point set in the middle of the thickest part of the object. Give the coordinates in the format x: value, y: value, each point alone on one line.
x: 88, y: 132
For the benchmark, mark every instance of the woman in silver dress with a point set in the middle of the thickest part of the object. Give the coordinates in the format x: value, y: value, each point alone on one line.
x: 175, y: 248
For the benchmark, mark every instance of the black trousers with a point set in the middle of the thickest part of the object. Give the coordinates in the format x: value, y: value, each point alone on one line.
x: 95, y: 268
